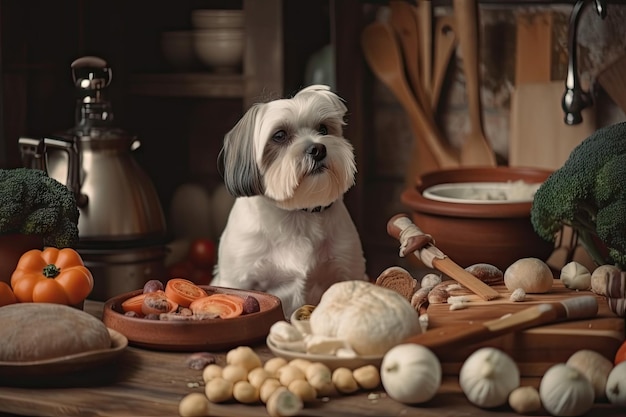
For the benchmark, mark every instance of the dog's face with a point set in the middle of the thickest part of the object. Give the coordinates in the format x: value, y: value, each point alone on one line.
x: 291, y: 150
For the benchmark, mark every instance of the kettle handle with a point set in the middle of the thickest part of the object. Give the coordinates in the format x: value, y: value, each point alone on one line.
x: 34, y: 155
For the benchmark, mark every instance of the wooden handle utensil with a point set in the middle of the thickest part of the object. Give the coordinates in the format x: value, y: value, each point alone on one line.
x: 413, y: 240
x: 574, y: 308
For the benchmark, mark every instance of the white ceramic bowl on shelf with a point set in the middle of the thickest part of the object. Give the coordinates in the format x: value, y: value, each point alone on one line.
x: 178, y: 50
x: 221, y: 50
x: 217, y: 19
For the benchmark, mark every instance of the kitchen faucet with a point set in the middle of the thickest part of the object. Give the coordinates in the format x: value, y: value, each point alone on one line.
x: 575, y: 99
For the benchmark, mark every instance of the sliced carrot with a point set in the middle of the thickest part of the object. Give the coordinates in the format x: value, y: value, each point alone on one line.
x: 183, y: 292
x: 226, y: 306
x: 134, y: 304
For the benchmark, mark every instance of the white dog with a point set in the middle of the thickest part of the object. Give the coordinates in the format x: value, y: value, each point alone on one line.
x: 289, y: 232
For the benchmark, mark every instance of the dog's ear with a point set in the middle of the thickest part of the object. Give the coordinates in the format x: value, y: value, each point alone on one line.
x: 241, y: 173
x: 338, y: 105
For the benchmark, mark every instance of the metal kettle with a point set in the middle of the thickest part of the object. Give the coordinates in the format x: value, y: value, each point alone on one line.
x: 117, y: 200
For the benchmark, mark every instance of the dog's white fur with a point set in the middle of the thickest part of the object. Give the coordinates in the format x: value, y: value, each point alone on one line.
x: 289, y: 232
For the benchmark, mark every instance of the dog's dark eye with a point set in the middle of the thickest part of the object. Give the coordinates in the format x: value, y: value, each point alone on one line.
x: 323, y: 130
x: 280, y: 136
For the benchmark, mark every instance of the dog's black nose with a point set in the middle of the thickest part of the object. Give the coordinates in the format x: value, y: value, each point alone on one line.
x: 317, y: 151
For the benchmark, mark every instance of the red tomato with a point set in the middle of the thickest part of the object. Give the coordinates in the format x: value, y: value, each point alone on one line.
x: 182, y: 269
x: 620, y: 356
x: 202, y: 276
x: 202, y: 253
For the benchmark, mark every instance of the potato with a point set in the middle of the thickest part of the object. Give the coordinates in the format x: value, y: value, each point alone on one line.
x: 37, y: 331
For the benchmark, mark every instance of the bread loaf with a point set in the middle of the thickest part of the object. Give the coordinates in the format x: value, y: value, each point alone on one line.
x: 370, y: 318
x: 38, y: 331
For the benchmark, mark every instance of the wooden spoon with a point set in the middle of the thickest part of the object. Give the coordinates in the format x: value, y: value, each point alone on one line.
x: 475, y: 149
x: 445, y: 43
x: 383, y: 56
x: 405, y: 27
x: 423, y: 14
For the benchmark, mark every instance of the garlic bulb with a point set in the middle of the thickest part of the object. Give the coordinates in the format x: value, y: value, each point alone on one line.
x: 531, y: 274
x: 565, y: 391
x: 616, y: 385
x: 576, y: 276
x: 488, y: 376
x: 410, y: 373
x: 594, y: 367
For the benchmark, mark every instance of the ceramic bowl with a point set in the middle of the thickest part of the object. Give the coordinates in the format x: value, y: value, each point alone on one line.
x: 198, y: 335
x: 178, y: 50
x: 220, y: 49
x: 215, y: 19
x: 472, y: 231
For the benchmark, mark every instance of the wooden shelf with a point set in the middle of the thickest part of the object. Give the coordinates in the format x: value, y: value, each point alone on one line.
x: 202, y: 85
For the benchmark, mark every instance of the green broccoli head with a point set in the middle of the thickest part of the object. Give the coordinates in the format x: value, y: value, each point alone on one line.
x: 33, y: 203
x: 587, y: 194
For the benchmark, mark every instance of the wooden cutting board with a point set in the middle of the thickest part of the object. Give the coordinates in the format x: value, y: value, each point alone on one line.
x: 538, y: 135
x: 534, y: 350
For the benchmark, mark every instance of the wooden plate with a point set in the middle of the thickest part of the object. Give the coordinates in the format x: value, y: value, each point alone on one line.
x: 198, y: 335
x: 26, y: 372
x: 333, y: 362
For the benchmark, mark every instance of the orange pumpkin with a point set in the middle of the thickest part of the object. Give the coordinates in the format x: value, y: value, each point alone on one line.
x: 6, y: 294
x: 51, y: 276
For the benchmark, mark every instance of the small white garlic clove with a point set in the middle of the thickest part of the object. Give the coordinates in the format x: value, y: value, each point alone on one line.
x: 576, y: 276
x: 565, y: 391
x: 518, y: 295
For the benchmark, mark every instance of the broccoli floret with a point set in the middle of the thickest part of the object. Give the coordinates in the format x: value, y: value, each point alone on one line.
x: 587, y: 193
x: 33, y: 203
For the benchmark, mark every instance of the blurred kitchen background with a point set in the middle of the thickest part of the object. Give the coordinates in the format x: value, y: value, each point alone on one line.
x: 180, y: 108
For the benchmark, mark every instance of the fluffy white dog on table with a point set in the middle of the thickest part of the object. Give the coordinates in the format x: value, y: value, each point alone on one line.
x: 289, y: 232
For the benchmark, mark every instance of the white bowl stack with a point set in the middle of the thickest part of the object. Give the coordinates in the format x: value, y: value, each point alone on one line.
x: 219, y: 39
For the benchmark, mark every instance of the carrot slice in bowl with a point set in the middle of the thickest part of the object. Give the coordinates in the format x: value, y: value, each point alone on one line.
x: 133, y: 304
x: 183, y: 292
x: 224, y: 306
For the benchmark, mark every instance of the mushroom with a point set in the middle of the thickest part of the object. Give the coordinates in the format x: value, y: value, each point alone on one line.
x: 531, y: 274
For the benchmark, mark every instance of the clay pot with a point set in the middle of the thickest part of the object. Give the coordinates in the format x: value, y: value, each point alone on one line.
x: 470, y: 233
x: 12, y: 247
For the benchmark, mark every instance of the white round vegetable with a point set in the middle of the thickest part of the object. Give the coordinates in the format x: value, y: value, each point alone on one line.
x: 616, y: 385
x: 531, y: 274
x: 565, y: 391
x: 488, y: 376
x: 410, y: 373
x: 576, y: 276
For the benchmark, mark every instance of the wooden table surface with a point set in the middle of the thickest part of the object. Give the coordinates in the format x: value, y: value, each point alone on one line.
x: 151, y: 383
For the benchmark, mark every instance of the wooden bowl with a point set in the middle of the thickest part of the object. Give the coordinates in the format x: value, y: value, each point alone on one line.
x: 199, y: 335
x: 476, y: 232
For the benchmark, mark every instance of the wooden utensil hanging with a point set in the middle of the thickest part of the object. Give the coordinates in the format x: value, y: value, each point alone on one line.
x: 445, y: 44
x: 475, y: 149
x: 383, y: 55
